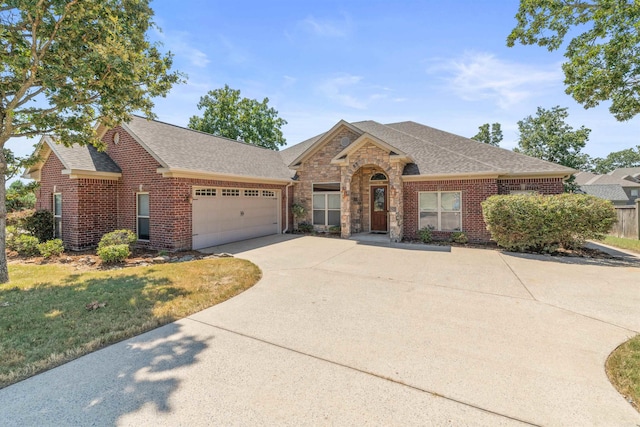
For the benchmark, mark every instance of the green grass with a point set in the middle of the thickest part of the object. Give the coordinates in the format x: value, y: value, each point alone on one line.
x: 623, y: 369
x: 620, y: 242
x: 44, y: 322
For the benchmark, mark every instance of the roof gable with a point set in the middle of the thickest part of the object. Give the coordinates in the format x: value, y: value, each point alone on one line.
x: 365, y: 138
x: 321, y: 141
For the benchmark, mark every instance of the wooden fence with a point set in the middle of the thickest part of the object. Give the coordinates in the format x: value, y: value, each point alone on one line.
x: 628, y: 224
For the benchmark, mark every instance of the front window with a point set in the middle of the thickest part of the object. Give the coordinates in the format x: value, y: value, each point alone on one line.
x: 441, y: 210
x: 634, y: 192
x: 57, y: 216
x: 143, y: 216
x: 326, y: 204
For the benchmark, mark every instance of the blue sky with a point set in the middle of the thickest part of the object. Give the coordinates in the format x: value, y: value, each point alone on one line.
x: 441, y: 63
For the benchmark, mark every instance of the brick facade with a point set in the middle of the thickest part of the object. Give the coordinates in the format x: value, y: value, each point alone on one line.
x: 93, y: 207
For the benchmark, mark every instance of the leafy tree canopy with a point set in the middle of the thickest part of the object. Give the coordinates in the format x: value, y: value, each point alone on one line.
x: 489, y: 134
x: 628, y: 158
x: 548, y: 137
x: 603, y: 58
x: 243, y: 119
x: 67, y: 64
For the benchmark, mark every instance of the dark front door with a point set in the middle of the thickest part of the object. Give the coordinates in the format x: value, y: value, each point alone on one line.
x: 379, y: 208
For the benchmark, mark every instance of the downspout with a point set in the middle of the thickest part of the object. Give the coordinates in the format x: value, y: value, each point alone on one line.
x: 286, y: 207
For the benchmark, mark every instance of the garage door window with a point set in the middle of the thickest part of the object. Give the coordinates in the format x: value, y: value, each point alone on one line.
x: 143, y: 215
x: 326, y: 204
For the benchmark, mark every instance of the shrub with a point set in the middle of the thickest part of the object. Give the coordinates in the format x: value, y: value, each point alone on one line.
x: 26, y: 245
x: 118, y: 237
x: 40, y: 225
x: 426, y: 235
x: 335, y: 229
x: 51, y: 248
x: 114, y: 253
x: 11, y: 234
x: 297, y: 210
x: 459, y: 237
x: 544, y: 223
x: 17, y: 218
x: 305, y: 227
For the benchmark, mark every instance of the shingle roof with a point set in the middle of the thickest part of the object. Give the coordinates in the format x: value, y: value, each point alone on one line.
x: 588, y: 178
x: 181, y: 148
x: 613, y: 192
x: 439, y: 152
x: 85, y: 158
x: 623, y: 172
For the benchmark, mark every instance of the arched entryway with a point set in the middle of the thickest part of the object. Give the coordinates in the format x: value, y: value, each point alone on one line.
x: 369, y: 210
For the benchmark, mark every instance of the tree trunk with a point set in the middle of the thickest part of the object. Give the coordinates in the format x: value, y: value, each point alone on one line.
x: 4, y: 270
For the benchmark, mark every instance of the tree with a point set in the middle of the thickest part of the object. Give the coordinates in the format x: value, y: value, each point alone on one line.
x: 21, y: 196
x: 243, y: 119
x: 489, y: 135
x: 67, y: 64
x: 548, y: 137
x: 603, y: 56
x: 628, y: 158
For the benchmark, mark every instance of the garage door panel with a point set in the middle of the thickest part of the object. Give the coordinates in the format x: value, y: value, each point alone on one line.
x: 223, y: 219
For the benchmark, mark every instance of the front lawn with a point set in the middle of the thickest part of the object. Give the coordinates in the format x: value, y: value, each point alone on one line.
x: 622, y: 243
x: 623, y: 369
x: 45, y: 321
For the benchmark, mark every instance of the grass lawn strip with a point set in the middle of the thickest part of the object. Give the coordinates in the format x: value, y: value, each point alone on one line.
x: 622, y: 243
x: 44, y: 321
x: 623, y: 369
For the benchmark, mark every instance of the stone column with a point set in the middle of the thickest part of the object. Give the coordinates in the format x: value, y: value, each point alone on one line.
x: 345, y: 203
x: 395, y: 203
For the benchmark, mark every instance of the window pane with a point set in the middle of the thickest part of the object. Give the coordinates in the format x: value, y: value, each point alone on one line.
x: 318, y: 217
x: 450, y: 221
x: 429, y: 219
x: 334, y: 218
x: 143, y: 228
x: 57, y: 228
x: 143, y: 205
x: 318, y: 201
x: 57, y: 204
x: 428, y: 201
x: 333, y: 201
x: 450, y: 201
x: 378, y: 199
x: 332, y: 186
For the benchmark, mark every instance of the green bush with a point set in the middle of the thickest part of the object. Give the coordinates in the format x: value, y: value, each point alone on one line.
x: 297, y: 210
x: 335, y: 229
x: 545, y: 223
x: 51, y: 248
x: 459, y: 237
x: 11, y: 234
x: 305, y: 227
x: 40, y: 225
x: 118, y: 237
x: 26, y: 245
x: 426, y: 234
x: 114, y: 253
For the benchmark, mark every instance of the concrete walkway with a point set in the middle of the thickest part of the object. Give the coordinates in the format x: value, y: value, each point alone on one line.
x: 339, y: 332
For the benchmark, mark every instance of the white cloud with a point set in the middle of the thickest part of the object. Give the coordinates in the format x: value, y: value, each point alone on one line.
x: 477, y: 76
x: 327, y: 28
x: 179, y: 44
x: 335, y: 87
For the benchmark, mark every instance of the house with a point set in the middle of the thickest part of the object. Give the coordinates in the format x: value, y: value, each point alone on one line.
x: 620, y: 186
x: 180, y: 189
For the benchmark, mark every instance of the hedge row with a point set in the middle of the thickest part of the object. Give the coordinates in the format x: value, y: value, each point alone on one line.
x: 545, y: 223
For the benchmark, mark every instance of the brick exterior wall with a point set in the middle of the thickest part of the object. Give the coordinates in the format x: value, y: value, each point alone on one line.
x: 474, y: 191
x: 93, y: 207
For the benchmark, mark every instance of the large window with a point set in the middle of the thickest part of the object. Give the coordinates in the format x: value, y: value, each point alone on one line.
x: 441, y: 210
x: 142, y: 211
x: 57, y: 215
x: 326, y: 204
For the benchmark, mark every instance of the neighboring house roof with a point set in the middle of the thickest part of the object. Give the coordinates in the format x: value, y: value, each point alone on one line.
x: 180, y: 149
x: 75, y: 159
x: 613, y: 192
x: 588, y: 178
x: 626, y: 173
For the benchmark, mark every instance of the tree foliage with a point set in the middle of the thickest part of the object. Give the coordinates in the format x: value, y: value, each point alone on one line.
x: 21, y: 196
x: 67, y: 64
x: 548, y: 137
x: 604, y: 55
x: 628, y: 158
x: 242, y: 119
x: 489, y: 134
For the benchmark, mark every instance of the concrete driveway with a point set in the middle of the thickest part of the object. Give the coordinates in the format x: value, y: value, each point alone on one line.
x: 343, y: 333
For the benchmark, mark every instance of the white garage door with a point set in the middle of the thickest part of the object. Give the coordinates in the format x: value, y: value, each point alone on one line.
x: 224, y: 215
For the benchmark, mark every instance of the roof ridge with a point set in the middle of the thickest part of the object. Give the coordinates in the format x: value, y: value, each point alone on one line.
x: 204, y: 133
x: 439, y: 146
